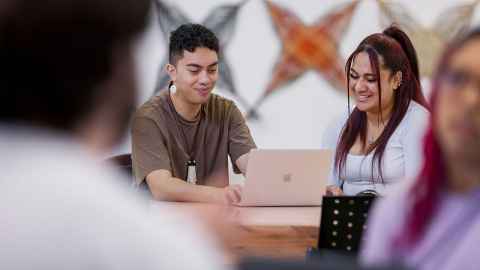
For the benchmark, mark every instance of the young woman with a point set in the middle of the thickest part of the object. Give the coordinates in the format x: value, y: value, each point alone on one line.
x: 378, y: 143
x: 434, y: 223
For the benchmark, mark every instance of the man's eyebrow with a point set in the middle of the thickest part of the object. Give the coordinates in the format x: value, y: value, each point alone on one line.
x: 199, y: 66
x: 194, y: 65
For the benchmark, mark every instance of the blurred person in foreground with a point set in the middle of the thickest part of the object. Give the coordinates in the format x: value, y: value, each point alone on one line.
x: 434, y: 223
x: 67, y: 90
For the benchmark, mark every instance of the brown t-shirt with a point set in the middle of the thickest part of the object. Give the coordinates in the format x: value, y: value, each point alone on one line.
x: 158, y: 143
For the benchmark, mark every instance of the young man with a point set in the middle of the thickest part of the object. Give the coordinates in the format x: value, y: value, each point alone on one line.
x: 182, y: 137
x: 67, y: 88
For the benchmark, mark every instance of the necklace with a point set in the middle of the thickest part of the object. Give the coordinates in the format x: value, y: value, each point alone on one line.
x: 191, y: 164
x: 375, y: 133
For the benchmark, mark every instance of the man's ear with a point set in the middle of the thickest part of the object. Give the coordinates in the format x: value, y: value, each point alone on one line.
x: 171, y: 71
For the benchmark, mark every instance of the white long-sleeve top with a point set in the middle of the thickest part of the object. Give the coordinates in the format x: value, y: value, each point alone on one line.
x: 401, y: 160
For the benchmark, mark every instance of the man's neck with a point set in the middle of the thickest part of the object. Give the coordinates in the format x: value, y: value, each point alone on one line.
x: 187, y: 110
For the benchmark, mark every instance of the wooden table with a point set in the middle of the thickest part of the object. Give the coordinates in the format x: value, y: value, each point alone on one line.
x: 278, y: 232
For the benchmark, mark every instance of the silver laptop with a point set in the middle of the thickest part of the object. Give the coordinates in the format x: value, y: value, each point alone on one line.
x: 286, y: 177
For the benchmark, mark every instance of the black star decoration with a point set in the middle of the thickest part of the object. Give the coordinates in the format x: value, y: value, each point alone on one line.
x: 221, y: 21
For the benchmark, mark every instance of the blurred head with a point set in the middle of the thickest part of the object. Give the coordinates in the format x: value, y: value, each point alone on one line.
x: 67, y: 64
x: 453, y: 135
x: 193, y: 67
x: 457, y: 119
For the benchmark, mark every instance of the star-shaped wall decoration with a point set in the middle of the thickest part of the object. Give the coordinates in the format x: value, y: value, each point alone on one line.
x: 221, y: 21
x: 429, y: 42
x: 314, y: 47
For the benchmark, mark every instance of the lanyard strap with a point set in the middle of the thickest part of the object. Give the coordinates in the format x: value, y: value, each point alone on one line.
x: 189, y: 148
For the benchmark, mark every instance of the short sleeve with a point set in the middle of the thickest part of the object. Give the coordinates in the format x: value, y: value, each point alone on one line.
x: 240, y: 139
x: 149, y: 150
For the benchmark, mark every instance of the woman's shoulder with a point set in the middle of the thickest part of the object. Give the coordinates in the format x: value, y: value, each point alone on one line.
x: 416, y: 112
x: 416, y: 118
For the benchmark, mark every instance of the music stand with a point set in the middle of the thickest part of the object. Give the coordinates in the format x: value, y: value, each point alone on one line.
x: 342, y: 223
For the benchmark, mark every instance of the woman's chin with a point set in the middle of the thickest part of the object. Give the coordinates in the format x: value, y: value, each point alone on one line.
x: 364, y: 107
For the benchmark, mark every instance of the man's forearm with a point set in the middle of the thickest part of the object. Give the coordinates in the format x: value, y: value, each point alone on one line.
x: 175, y: 189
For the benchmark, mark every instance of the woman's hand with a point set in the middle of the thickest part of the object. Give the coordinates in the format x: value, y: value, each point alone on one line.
x: 334, y: 191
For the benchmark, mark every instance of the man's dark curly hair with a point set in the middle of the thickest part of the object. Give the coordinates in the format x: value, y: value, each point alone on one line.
x: 189, y: 37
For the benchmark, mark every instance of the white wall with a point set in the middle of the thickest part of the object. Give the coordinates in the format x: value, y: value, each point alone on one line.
x: 296, y: 116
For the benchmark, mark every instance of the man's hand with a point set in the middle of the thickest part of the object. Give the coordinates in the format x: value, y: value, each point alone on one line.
x: 232, y: 194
